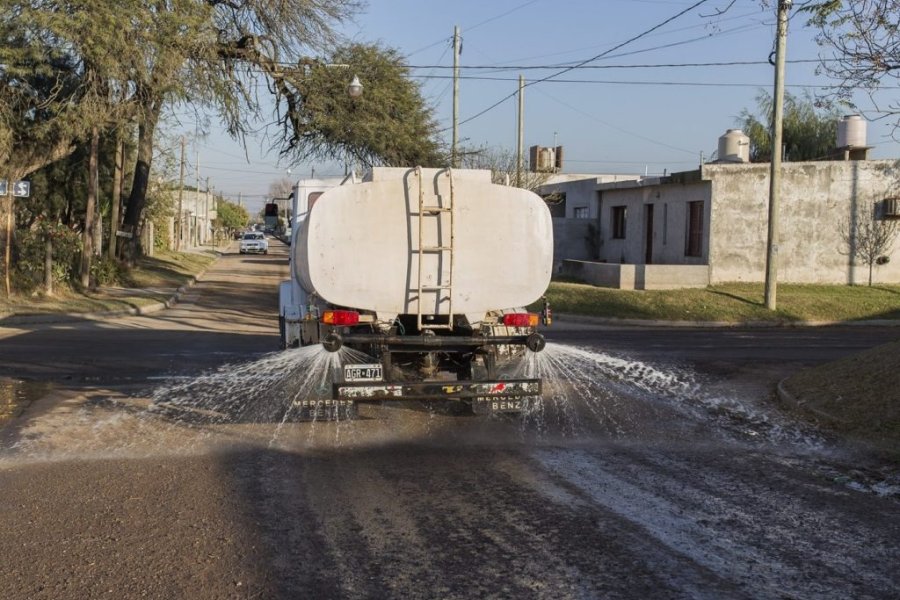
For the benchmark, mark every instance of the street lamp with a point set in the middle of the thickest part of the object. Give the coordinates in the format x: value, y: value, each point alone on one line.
x: 355, y: 89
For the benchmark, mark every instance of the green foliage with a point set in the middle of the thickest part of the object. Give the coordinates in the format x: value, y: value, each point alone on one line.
x: 231, y: 216
x: 31, y: 252
x: 162, y: 232
x: 105, y: 272
x: 71, y: 66
x: 389, y: 124
x: 809, y: 132
x: 729, y: 302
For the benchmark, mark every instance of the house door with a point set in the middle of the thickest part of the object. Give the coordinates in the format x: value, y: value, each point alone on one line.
x: 648, y: 234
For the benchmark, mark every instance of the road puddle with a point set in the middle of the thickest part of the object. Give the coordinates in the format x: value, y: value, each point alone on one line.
x: 16, y: 395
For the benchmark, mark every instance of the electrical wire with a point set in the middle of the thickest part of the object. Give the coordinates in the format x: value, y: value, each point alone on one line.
x: 584, y: 62
x: 733, y: 63
x: 611, y: 126
x: 642, y: 83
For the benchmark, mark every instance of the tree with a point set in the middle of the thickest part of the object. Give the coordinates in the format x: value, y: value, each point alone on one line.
x: 143, y: 57
x: 864, y: 39
x: 868, y: 238
x: 231, y: 216
x: 389, y: 124
x: 61, y: 62
x: 809, y: 132
x: 281, y: 188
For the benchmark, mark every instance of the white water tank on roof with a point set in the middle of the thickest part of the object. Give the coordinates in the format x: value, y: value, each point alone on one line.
x: 734, y: 146
x: 851, y: 132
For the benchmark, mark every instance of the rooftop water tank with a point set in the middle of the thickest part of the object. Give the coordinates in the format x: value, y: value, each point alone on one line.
x: 734, y: 146
x: 851, y: 132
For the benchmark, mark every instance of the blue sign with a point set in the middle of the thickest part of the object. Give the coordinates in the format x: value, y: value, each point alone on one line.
x: 22, y: 189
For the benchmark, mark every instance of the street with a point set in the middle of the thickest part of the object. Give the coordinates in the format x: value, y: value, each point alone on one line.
x: 158, y: 459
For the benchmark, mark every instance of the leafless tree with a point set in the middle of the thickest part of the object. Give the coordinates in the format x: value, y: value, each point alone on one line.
x: 280, y: 188
x: 502, y: 164
x: 862, y: 43
x: 869, y: 238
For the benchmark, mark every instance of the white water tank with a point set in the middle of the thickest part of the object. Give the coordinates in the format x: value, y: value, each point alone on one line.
x: 851, y: 132
x: 734, y: 146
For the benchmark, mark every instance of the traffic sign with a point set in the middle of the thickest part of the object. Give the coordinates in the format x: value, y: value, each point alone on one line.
x: 3, y: 187
x: 22, y: 189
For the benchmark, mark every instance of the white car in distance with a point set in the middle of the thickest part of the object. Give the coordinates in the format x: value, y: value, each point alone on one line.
x: 254, y: 242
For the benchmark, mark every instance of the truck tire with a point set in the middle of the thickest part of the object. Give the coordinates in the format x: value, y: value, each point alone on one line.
x: 282, y: 344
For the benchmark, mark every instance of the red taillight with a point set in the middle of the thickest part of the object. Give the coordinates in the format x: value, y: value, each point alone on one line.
x: 520, y: 319
x: 340, y: 317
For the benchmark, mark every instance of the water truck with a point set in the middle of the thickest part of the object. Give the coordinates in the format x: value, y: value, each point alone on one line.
x: 427, y: 272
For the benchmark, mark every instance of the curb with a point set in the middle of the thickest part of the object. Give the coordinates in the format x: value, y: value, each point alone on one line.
x: 612, y: 321
x: 51, y: 318
x: 791, y: 401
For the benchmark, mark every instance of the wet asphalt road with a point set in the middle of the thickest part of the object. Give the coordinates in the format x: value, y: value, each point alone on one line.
x: 658, y: 466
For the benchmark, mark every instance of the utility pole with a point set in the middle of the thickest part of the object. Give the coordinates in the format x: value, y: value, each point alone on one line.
x: 196, y: 233
x: 457, y: 49
x: 784, y: 7
x: 179, y: 226
x: 206, y: 224
x: 520, y: 135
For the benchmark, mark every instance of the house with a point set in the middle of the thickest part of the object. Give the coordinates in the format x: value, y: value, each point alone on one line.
x: 710, y: 225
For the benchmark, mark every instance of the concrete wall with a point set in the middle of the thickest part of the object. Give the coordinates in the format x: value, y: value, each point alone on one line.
x: 816, y: 198
x: 198, y: 212
x: 575, y: 239
x: 637, y: 277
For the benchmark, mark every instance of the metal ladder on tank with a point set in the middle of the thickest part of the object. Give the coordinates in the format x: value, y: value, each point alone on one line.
x: 445, y: 250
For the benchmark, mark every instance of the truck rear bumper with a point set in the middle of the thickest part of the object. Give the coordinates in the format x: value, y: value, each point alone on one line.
x: 421, y: 343
x: 438, y: 390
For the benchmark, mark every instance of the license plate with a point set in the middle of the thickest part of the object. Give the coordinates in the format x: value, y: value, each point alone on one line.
x: 363, y: 373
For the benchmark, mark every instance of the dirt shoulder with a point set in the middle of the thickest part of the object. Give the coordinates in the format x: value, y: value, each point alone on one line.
x: 858, y: 396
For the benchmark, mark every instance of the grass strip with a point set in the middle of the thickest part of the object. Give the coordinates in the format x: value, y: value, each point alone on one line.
x: 729, y: 303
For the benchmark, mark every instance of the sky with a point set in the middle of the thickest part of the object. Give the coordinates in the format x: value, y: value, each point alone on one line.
x: 647, y: 99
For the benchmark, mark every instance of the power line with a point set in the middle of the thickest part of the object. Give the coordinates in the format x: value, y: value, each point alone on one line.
x: 617, y: 128
x: 584, y: 62
x: 622, y: 44
x: 471, y: 27
x: 644, y: 83
x: 719, y: 33
x: 500, y: 16
x: 732, y: 63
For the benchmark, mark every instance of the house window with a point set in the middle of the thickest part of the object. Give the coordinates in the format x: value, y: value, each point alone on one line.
x: 581, y: 212
x: 694, y: 241
x: 618, y: 222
